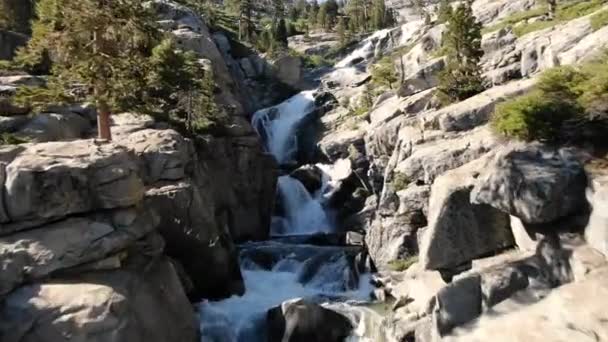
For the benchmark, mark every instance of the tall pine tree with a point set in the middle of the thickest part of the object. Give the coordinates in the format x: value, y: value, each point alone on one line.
x: 462, y: 77
x: 246, y: 26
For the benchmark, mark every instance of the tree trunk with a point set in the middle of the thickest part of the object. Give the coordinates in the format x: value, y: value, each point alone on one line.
x: 103, y: 121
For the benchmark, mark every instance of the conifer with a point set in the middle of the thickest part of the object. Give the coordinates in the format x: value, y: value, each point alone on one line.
x: 462, y: 77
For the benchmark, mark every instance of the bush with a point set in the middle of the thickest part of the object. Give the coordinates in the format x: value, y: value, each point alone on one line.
x: 400, y: 181
x: 383, y: 73
x: 11, y: 139
x: 532, y: 117
x: 599, y: 20
x: 401, y: 265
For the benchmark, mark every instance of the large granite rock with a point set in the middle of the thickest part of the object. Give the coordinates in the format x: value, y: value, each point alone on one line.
x: 145, y: 304
x: 535, y: 183
x: 195, y: 238
x: 460, y: 231
x: 56, y: 179
x: 54, y: 127
x: 299, y: 320
x: 34, y: 254
x: 242, y: 180
x: 573, y: 312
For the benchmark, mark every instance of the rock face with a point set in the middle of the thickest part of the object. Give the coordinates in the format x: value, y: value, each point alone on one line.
x: 56, y: 179
x: 574, y: 312
x: 300, y: 320
x: 90, y: 263
x: 105, y: 306
x: 534, y: 183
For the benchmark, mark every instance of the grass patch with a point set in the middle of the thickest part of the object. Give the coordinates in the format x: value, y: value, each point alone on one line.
x: 401, y: 265
x: 516, y: 18
x: 566, y: 11
x: 599, y: 20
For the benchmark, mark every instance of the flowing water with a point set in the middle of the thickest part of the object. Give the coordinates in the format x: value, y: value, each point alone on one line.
x: 275, y: 271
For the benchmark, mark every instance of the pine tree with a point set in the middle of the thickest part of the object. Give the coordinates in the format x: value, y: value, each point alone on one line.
x: 322, y: 16
x: 313, y: 14
x: 15, y: 15
x: 462, y: 78
x: 342, y: 31
x: 109, y: 46
x: 383, y: 73
x: 328, y: 14
x: 356, y: 12
x: 280, y: 33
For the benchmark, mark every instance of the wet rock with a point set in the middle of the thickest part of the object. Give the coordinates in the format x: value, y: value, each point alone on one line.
x: 300, y: 320
x: 533, y: 182
x: 310, y: 176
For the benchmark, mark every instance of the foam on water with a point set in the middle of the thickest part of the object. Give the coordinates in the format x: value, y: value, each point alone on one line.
x: 278, y: 124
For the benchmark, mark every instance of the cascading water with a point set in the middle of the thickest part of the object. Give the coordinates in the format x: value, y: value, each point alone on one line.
x: 277, y: 125
x: 304, y: 213
x: 276, y: 271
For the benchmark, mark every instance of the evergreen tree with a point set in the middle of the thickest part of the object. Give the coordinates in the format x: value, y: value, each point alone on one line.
x: 462, y: 78
x: 322, y: 16
x: 328, y: 14
x: 356, y: 12
x: 278, y: 10
x: 444, y: 11
x: 112, y: 48
x: 280, y: 33
x: 313, y: 14
x: 383, y: 73
x: 342, y: 31
x: 15, y: 15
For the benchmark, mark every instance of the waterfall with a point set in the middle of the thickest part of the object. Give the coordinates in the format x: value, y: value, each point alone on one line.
x: 305, y: 214
x: 278, y: 125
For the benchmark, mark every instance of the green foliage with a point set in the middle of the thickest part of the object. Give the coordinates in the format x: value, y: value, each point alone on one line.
x: 316, y: 61
x: 565, y: 11
x: 462, y: 78
x: 517, y: 18
x: 401, y: 265
x: 532, y: 117
x: 383, y: 73
x: 39, y: 98
x: 400, y: 181
x: 11, y: 139
x: 444, y: 12
x: 563, y: 96
x: 599, y: 20
x: 15, y: 15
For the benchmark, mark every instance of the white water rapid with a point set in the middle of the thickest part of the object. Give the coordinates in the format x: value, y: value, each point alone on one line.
x: 277, y: 270
x: 277, y: 125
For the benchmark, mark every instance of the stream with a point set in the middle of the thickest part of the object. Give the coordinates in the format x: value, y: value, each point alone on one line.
x: 290, y: 265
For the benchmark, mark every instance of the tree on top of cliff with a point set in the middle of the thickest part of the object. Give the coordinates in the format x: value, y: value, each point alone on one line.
x: 101, y: 44
x: 462, y: 77
x: 107, y: 50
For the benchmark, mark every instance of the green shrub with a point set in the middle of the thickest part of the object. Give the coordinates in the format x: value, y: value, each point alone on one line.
x: 533, y: 117
x: 401, y: 265
x: 11, y: 139
x: 566, y: 11
x: 599, y: 20
x: 400, y: 181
